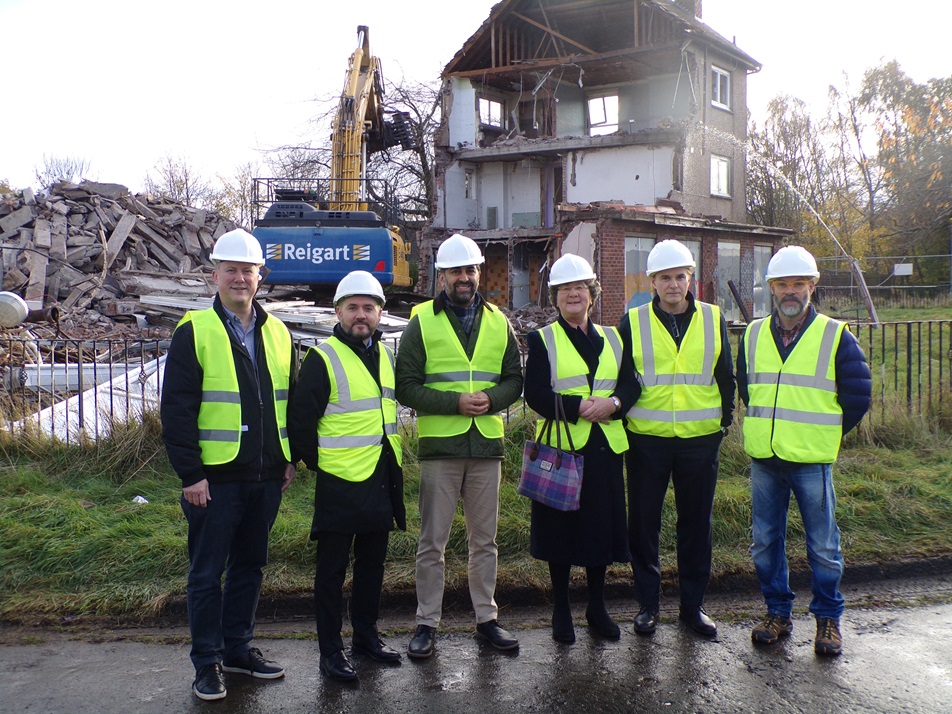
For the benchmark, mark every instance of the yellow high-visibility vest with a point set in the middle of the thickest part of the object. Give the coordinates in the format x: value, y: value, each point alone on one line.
x: 792, y: 410
x: 679, y: 395
x: 449, y: 369
x: 359, y: 414
x: 569, y: 375
x: 219, y: 416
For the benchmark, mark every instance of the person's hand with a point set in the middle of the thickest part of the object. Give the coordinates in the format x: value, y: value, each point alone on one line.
x: 473, y: 405
x: 198, y: 494
x: 598, y: 410
x: 290, y: 471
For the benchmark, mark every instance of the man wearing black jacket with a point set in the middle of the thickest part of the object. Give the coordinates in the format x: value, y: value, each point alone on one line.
x: 343, y: 425
x: 681, y: 354
x: 224, y: 423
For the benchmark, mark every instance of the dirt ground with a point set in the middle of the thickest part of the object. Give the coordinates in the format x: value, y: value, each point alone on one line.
x: 732, y: 599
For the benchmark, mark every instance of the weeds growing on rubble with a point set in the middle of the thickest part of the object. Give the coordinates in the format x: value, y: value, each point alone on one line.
x: 74, y: 541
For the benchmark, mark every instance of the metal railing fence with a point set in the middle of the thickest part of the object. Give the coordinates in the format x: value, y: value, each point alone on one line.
x: 75, y: 390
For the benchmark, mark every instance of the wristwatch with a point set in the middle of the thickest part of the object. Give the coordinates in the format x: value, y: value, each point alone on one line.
x: 617, y: 402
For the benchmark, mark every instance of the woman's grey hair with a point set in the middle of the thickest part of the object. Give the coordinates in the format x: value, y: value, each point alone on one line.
x: 594, y: 290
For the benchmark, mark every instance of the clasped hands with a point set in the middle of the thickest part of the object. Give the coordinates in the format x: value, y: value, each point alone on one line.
x: 598, y: 410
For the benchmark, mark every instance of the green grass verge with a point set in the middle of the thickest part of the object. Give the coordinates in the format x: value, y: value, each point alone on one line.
x: 73, y: 542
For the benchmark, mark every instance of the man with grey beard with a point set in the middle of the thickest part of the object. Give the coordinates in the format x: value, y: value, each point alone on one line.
x: 806, y: 383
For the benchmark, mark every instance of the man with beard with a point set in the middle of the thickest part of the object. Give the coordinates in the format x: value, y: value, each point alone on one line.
x: 342, y: 422
x: 458, y: 367
x: 806, y: 384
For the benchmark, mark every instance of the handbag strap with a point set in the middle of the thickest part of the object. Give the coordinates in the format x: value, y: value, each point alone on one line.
x: 560, y: 416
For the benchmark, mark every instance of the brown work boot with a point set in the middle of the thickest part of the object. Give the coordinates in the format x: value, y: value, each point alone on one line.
x: 828, y: 641
x: 771, y: 629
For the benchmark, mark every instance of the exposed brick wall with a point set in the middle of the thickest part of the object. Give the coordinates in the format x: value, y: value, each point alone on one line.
x: 610, y: 267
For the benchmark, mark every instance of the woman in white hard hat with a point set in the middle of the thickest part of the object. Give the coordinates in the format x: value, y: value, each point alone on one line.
x: 595, y: 402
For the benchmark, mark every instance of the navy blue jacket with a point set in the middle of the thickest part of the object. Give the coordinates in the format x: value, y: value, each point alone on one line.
x: 854, y: 384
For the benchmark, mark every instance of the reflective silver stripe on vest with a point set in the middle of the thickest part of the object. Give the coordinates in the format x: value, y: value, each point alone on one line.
x: 348, y: 442
x: 796, y: 415
x: 649, y: 376
x: 225, y: 435
x: 461, y: 376
x: 281, y: 395
x: 818, y: 380
x: 388, y: 393
x: 354, y: 405
x: 344, y: 403
x: 581, y: 380
x: 684, y: 415
x: 221, y: 396
x: 693, y: 380
x: 389, y: 428
x: 283, y: 432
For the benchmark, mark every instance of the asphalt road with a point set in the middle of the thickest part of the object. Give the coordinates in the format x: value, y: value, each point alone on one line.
x: 896, y: 659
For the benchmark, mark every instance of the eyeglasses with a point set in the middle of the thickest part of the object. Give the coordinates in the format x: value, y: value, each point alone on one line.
x: 573, y: 288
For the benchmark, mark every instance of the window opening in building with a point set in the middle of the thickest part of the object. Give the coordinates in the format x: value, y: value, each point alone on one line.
x: 603, y: 115
x: 720, y: 176
x: 490, y: 112
x: 720, y: 88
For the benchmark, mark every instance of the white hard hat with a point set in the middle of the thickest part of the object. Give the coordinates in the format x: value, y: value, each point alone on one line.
x: 792, y: 261
x: 359, y: 282
x: 238, y: 246
x: 457, y: 251
x: 669, y: 254
x: 569, y: 269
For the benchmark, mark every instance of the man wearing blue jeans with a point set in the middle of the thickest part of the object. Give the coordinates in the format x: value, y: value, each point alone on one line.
x: 224, y: 423
x: 806, y: 383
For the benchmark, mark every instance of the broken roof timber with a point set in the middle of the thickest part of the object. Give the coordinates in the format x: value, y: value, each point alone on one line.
x: 518, y: 31
x: 652, y: 214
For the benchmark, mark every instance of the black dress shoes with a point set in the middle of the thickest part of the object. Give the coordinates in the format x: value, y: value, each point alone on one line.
x: 376, y: 649
x: 699, y: 621
x: 337, y: 667
x: 646, y: 621
x: 423, y: 643
x: 496, y: 636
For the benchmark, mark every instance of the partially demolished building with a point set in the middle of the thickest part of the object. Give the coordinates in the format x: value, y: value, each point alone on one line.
x: 598, y: 127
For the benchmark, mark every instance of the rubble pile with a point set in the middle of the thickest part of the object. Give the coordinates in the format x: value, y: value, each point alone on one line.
x: 96, y: 246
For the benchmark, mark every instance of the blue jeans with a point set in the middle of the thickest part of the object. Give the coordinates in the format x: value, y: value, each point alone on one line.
x: 230, y: 537
x: 771, y: 483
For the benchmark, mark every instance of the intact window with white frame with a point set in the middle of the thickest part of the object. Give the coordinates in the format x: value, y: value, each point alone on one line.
x: 490, y: 112
x: 720, y: 176
x: 720, y: 88
x: 603, y: 115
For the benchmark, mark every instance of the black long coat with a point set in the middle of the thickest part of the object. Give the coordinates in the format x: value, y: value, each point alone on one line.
x: 597, y: 533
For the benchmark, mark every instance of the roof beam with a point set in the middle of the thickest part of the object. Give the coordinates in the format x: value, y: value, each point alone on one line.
x: 553, y: 32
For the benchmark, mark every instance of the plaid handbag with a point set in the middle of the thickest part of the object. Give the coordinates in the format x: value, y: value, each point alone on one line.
x: 551, y: 475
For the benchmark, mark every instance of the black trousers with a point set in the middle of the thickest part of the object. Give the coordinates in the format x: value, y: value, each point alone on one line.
x: 691, y: 465
x: 333, y: 555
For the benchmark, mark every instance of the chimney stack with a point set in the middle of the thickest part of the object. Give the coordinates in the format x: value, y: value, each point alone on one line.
x: 692, y: 6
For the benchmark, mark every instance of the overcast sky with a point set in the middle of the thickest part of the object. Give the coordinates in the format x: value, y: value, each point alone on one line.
x: 123, y: 83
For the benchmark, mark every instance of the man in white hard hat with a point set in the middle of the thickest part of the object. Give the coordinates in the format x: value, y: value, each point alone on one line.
x: 458, y: 366
x: 224, y: 423
x: 680, y: 351
x: 806, y: 383
x: 342, y: 423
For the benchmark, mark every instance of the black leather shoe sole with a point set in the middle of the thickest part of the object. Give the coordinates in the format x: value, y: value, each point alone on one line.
x: 387, y: 656
x: 700, y: 626
x: 338, y: 675
x: 646, y: 625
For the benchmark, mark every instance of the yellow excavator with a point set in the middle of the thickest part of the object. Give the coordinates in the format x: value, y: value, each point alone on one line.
x: 316, y: 232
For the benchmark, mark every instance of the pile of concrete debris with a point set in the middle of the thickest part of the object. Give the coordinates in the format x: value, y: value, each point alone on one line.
x: 95, y: 245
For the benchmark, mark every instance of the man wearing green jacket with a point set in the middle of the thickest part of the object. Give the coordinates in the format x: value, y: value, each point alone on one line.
x: 458, y: 366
